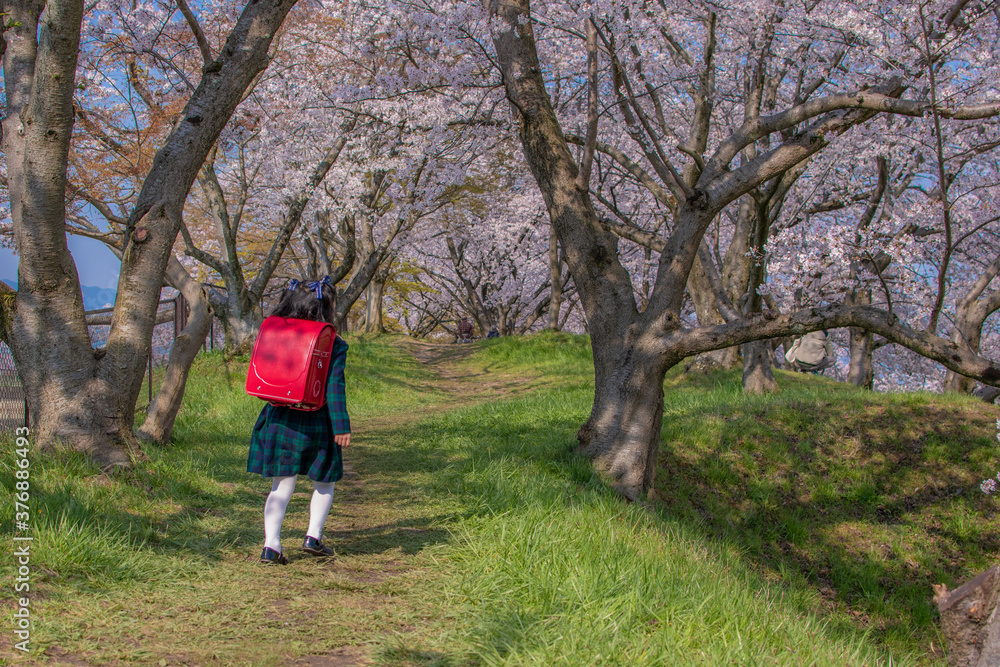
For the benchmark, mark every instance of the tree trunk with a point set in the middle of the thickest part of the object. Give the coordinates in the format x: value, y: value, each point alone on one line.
x: 373, y: 307
x: 622, y: 435
x: 971, y: 312
x: 969, y: 620
x: 758, y: 377
x: 631, y: 351
x: 555, y: 279
x: 968, y: 333
x: 69, y: 399
x: 78, y: 396
x: 707, y: 311
x: 504, y: 327
x: 861, y: 372
x: 160, y: 417
x: 240, y: 327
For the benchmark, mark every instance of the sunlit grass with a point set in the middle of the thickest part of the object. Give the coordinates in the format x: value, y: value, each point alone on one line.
x: 803, y: 527
x: 552, y: 568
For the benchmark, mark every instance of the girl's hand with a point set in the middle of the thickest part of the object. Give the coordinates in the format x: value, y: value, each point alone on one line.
x: 342, y: 439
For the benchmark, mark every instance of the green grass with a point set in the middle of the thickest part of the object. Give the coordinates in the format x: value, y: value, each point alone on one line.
x: 557, y: 354
x: 551, y: 568
x: 867, y: 498
x: 800, y: 528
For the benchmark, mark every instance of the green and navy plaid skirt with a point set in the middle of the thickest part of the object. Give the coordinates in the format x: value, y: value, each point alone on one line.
x: 289, y: 442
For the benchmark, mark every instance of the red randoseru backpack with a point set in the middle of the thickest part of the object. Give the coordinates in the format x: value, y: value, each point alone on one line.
x: 290, y: 362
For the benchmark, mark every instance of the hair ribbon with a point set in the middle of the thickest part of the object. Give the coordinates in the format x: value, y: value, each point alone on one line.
x: 317, y: 286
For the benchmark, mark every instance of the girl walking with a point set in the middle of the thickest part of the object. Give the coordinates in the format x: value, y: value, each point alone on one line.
x: 286, y: 443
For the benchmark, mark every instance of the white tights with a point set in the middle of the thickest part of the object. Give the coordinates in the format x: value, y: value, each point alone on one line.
x: 277, y: 502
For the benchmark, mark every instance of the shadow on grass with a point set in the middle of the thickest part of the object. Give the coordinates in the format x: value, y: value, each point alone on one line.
x: 190, y: 501
x: 865, y: 498
x: 871, y: 499
x: 409, y: 536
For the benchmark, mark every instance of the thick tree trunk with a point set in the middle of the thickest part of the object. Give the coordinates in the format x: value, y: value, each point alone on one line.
x: 373, y: 307
x: 69, y: 399
x: 968, y: 333
x: 861, y: 372
x: 160, y: 417
x: 971, y: 312
x: 622, y: 435
x: 707, y: 310
x: 758, y: 377
x: 78, y: 396
x: 239, y: 328
x: 504, y: 327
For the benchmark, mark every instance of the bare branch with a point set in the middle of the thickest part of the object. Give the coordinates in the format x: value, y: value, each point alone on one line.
x: 634, y: 169
x: 943, y: 183
x: 294, y: 213
x: 199, y: 35
x: 191, y: 250
x: 587, y: 161
x: 689, y: 342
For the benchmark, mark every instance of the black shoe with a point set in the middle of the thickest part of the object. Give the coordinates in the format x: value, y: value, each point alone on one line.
x: 313, y: 546
x: 271, y: 557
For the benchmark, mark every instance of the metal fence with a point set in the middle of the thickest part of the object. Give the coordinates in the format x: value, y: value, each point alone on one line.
x: 13, y: 405
x: 171, y: 318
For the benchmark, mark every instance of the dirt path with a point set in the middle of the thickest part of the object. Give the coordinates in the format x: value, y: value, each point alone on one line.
x: 340, y: 612
x: 378, y: 534
x: 465, y: 384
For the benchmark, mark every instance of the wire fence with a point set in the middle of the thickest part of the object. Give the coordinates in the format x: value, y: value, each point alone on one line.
x: 13, y: 405
x: 171, y: 318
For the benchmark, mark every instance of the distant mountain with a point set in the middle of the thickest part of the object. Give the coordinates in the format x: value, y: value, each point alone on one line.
x: 93, y: 297
x: 98, y: 297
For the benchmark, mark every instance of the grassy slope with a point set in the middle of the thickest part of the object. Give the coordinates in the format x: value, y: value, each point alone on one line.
x: 802, y: 528
x: 868, y: 498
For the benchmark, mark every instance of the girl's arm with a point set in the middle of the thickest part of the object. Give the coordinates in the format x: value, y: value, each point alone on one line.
x: 336, y: 396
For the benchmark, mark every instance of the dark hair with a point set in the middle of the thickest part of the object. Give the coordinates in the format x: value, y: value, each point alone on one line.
x: 300, y: 301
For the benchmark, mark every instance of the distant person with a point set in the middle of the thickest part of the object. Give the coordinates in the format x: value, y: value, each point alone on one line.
x: 287, y: 442
x: 493, y: 333
x: 465, y: 330
x: 812, y: 353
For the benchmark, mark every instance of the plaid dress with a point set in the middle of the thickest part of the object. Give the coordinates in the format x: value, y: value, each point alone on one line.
x: 289, y: 442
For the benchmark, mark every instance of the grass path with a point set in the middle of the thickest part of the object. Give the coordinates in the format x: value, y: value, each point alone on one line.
x: 379, y: 529
x: 161, y: 567
x: 798, y: 528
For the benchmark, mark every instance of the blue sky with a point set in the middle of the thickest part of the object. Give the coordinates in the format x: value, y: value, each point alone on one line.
x: 97, y: 266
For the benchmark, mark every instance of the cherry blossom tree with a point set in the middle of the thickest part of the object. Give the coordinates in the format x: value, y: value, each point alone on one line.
x: 76, y: 394
x: 721, y: 162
